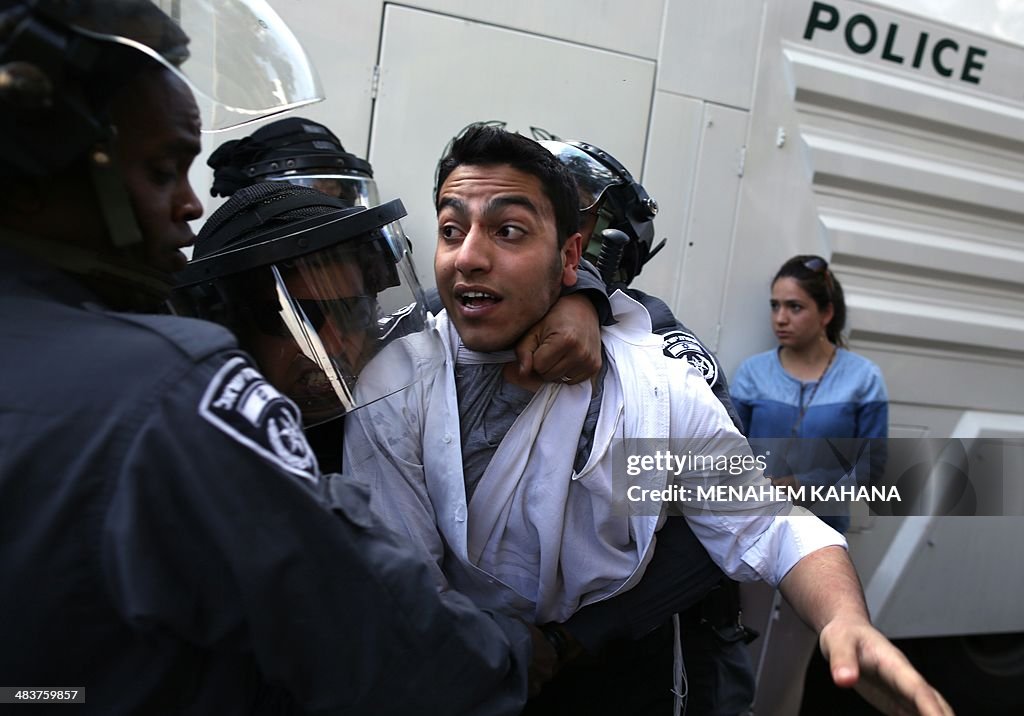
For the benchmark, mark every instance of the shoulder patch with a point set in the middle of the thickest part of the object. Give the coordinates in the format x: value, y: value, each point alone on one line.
x: 684, y: 345
x: 242, y: 404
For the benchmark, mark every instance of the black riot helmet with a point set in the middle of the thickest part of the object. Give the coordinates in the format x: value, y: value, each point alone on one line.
x: 60, y: 60
x: 312, y: 288
x: 620, y: 203
x: 62, y: 63
x: 295, y: 150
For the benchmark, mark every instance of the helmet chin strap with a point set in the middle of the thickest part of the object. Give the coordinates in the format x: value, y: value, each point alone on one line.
x: 116, y: 205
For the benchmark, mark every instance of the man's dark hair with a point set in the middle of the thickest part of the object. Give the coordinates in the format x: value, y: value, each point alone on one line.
x: 484, y: 145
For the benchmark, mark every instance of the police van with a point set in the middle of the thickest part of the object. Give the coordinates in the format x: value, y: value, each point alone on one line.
x: 889, y: 142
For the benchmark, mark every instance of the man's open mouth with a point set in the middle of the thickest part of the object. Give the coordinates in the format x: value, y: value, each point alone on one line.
x: 477, y: 299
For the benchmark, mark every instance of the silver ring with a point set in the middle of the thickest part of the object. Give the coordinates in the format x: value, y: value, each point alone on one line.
x: 566, y: 379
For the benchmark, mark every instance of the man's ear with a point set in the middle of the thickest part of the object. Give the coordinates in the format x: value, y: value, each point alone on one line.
x: 572, y: 250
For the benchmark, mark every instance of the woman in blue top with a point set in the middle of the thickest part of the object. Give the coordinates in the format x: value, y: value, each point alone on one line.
x: 810, y: 386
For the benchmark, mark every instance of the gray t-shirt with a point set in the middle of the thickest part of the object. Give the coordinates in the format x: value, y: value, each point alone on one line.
x: 488, y: 406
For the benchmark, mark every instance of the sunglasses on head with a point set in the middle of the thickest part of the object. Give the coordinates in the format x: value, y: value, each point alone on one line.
x: 816, y: 264
x: 820, y: 265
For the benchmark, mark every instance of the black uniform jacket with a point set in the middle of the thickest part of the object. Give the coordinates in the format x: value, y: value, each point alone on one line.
x: 167, y: 543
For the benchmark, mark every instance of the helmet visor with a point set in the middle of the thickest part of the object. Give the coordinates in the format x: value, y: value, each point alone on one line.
x: 313, y: 322
x: 238, y: 57
x: 592, y: 177
x: 353, y: 189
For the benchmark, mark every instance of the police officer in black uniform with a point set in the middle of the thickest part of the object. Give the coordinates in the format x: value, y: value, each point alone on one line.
x: 302, y: 152
x: 313, y: 288
x: 167, y: 542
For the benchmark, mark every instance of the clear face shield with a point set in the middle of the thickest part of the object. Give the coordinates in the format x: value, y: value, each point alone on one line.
x: 313, y: 322
x: 592, y: 177
x: 240, y: 60
x: 353, y: 189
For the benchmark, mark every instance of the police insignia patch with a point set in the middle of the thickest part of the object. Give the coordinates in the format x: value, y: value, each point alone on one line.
x: 242, y: 404
x: 683, y: 344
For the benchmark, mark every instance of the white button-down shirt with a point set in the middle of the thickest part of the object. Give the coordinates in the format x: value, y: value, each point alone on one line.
x: 537, y: 538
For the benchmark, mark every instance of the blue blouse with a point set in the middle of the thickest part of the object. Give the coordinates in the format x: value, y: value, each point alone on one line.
x: 851, y: 402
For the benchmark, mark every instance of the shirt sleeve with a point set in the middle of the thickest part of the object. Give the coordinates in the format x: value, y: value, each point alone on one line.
x: 208, y: 539
x: 750, y: 537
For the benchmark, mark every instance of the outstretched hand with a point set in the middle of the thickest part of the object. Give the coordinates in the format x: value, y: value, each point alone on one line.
x: 861, y: 657
x: 824, y: 590
x: 565, y: 345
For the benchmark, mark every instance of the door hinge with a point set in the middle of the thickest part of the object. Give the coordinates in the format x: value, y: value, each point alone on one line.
x: 375, y: 82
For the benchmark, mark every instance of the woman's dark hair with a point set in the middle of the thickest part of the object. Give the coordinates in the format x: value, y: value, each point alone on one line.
x: 813, y: 275
x: 482, y: 145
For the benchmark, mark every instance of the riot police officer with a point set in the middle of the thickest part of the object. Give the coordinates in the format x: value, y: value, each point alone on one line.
x: 617, y: 222
x: 166, y: 536
x: 313, y: 288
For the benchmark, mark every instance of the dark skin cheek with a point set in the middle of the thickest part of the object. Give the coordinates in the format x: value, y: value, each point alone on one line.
x: 148, y: 213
